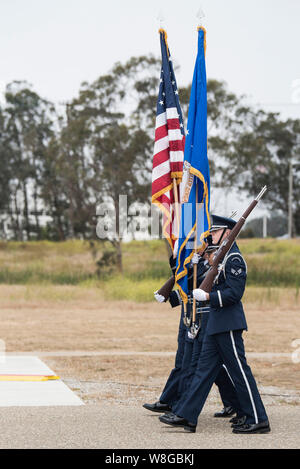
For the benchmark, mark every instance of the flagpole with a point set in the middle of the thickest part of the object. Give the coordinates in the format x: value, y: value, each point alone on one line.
x: 200, y: 15
x: 197, y: 161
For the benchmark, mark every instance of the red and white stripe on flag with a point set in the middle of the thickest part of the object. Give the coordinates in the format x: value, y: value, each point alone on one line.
x: 167, y: 168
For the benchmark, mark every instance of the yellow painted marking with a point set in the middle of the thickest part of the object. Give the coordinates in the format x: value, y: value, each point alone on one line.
x: 27, y: 377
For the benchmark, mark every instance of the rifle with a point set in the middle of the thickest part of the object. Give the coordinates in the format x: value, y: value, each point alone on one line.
x: 208, y: 282
x: 167, y: 287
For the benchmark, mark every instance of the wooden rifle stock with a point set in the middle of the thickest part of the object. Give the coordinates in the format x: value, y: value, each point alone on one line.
x: 210, y: 276
x: 167, y: 287
x: 208, y: 281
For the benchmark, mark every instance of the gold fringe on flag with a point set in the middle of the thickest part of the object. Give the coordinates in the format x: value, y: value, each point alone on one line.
x: 164, y: 32
x: 204, y: 30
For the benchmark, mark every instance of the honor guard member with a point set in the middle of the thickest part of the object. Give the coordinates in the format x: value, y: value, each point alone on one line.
x: 188, y: 351
x: 223, y: 381
x: 223, y: 344
x: 170, y: 394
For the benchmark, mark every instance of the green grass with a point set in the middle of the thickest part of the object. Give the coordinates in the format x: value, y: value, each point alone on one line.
x: 120, y: 288
x: 271, y: 264
x: 38, y: 276
x: 38, y: 248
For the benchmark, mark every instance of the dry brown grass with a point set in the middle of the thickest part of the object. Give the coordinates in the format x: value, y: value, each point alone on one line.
x: 151, y: 372
x: 279, y: 372
x: 135, y: 370
x: 75, y: 318
x: 54, y: 318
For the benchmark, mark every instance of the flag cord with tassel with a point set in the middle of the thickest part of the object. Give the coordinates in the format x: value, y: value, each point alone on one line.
x: 175, y: 192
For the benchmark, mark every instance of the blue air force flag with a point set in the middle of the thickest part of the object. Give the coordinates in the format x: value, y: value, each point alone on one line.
x: 195, y: 188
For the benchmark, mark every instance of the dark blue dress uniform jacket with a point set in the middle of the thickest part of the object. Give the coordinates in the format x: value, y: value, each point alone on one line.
x: 226, y: 309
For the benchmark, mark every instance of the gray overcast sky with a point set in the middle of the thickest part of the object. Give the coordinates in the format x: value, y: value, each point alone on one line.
x: 251, y: 44
x: 57, y: 44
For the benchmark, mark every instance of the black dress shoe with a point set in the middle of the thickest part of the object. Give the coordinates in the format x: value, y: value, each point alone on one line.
x: 168, y: 414
x: 238, y: 421
x: 176, y: 421
x: 225, y: 412
x: 262, y: 427
x: 157, y: 407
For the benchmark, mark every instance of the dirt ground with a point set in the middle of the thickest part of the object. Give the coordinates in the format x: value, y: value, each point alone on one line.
x: 72, y: 321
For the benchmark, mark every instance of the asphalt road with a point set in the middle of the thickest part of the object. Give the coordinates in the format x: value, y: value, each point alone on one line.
x: 118, y: 427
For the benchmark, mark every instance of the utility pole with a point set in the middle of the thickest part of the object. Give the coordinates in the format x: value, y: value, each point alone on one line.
x: 290, y: 201
x: 265, y: 219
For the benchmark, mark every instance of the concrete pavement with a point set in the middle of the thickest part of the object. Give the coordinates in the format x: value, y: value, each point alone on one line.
x: 115, y: 426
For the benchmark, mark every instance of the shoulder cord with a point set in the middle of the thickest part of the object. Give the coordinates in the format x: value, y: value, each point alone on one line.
x: 233, y: 254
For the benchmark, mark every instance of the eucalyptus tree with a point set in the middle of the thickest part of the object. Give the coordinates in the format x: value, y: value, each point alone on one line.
x: 5, y: 176
x: 262, y: 151
x: 106, y: 144
x: 28, y: 124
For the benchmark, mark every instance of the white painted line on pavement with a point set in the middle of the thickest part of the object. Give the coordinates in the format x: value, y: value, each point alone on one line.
x: 32, y: 393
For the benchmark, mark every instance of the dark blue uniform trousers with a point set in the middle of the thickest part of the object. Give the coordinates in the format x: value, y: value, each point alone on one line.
x: 223, y: 380
x: 225, y: 348
x: 181, y: 376
x: 170, y: 391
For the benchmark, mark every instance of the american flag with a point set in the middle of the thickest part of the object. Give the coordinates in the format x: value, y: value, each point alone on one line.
x: 169, y: 145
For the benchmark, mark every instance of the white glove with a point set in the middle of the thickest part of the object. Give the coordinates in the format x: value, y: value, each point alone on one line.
x: 199, y: 294
x: 158, y: 297
x: 175, y: 250
x: 195, y: 258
